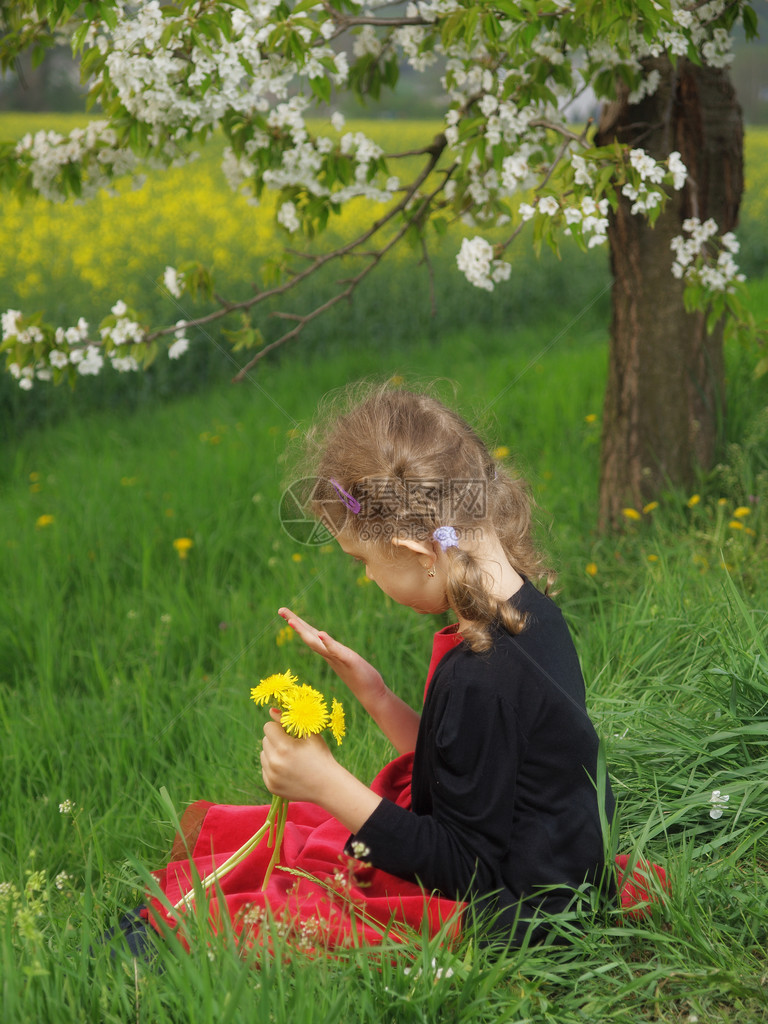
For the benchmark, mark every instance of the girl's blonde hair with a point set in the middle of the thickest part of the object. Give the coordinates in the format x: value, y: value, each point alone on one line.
x: 398, y: 463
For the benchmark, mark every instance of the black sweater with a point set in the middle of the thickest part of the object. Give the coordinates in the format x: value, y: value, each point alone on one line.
x: 504, y: 775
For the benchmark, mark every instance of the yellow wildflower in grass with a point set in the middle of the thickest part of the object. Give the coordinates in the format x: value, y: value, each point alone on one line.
x: 35, y: 488
x: 750, y: 531
x: 693, y: 500
x: 274, y: 687
x: 631, y: 513
x: 296, y: 557
x: 337, y: 723
x: 363, y: 581
x: 42, y: 521
x: 304, y: 711
x: 182, y: 546
x: 736, y: 525
x: 591, y: 569
x: 742, y: 512
x: 591, y: 417
x: 650, y: 507
x: 501, y: 452
x: 722, y: 501
x: 34, y: 478
x: 653, y: 558
x: 284, y: 636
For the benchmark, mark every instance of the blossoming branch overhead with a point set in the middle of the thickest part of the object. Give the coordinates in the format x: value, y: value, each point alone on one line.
x: 167, y: 77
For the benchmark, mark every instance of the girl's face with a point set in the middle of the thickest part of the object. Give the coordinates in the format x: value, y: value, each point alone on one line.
x: 403, y: 574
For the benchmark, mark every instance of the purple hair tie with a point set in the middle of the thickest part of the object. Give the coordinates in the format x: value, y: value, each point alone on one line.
x: 446, y: 537
x: 352, y: 503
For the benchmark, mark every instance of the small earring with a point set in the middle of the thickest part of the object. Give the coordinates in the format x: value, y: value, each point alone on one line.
x: 431, y: 571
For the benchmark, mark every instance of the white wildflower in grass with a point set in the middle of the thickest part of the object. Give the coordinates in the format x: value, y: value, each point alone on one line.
x: 718, y: 800
x: 66, y: 807
x: 60, y: 881
x: 438, y: 972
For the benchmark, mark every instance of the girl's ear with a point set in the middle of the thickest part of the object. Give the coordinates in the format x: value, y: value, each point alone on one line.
x: 418, y: 547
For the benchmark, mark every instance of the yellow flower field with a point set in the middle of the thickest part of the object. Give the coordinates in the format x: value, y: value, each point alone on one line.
x: 72, y: 258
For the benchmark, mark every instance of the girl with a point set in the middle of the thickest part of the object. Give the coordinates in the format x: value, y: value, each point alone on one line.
x: 495, y: 796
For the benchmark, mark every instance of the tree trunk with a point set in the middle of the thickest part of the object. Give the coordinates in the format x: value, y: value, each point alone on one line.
x: 665, y: 398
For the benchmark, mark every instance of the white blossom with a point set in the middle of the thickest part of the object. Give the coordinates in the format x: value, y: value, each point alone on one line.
x: 91, y: 363
x: 174, y: 282
x: 678, y: 170
x: 548, y: 205
x: 58, y: 359
x: 288, y: 217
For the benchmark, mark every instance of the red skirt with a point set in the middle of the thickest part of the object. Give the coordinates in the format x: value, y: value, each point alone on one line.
x: 317, y: 897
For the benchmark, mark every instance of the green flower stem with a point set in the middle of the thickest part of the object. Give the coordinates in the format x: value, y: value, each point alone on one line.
x: 277, y: 836
x: 275, y: 811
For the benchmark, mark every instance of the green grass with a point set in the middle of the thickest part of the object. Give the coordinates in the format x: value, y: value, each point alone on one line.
x: 124, y: 670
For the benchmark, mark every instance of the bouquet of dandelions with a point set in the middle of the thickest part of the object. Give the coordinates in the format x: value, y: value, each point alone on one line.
x: 304, y: 713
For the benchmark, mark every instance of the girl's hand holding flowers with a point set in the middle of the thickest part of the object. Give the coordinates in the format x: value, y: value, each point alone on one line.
x: 295, y: 769
x: 296, y: 762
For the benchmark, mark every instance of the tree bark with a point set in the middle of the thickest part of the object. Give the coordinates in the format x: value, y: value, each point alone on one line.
x: 665, y: 400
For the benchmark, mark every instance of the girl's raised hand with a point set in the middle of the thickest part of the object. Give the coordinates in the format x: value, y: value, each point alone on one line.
x: 355, y: 672
x: 395, y: 718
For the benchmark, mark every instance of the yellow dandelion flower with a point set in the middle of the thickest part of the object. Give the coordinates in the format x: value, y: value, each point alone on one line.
x: 296, y: 557
x: 591, y: 417
x: 650, y: 507
x: 42, y: 521
x: 693, y: 500
x: 305, y: 711
x: 501, y: 452
x: 750, y: 531
x: 653, y: 558
x: 742, y: 512
x: 736, y: 525
x: 363, y: 581
x: 34, y: 478
x: 722, y: 501
x: 182, y: 546
x: 631, y: 513
x: 396, y: 380
x: 337, y: 722
x: 274, y: 687
x: 591, y: 568
x: 35, y: 488
x: 284, y: 636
